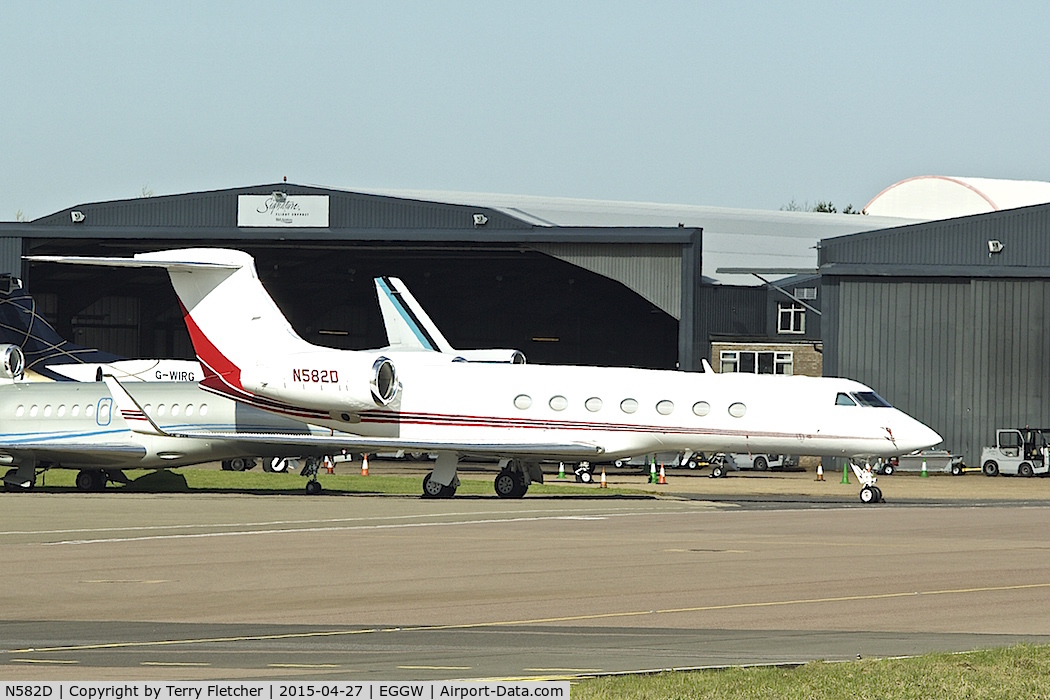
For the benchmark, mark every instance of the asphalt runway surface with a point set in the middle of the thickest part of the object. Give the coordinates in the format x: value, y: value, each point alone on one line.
x: 199, y: 586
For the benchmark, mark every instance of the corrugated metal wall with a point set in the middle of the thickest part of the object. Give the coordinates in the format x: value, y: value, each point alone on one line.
x: 11, y: 255
x: 653, y: 270
x: 113, y: 323
x: 965, y: 356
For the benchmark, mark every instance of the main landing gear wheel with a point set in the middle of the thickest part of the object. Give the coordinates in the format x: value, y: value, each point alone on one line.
x: 432, y: 489
x: 239, y: 464
x: 509, y: 484
x: 990, y: 468
x: 313, y: 487
x: 91, y: 480
x: 887, y: 469
x: 878, y: 494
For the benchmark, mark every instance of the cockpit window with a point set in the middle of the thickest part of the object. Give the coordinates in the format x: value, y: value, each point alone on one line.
x: 870, y: 398
x: 843, y: 400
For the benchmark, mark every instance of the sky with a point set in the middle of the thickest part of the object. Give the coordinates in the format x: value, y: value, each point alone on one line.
x: 750, y: 105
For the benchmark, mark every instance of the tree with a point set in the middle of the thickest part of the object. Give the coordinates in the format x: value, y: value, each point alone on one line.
x: 821, y: 206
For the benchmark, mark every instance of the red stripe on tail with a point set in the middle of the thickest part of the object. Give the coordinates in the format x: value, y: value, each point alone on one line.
x: 218, y: 370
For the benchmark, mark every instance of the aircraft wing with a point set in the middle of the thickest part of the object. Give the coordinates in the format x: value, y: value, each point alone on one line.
x: 69, y: 451
x: 356, y: 443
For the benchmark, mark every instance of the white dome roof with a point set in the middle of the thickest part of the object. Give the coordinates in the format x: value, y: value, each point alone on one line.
x: 940, y: 197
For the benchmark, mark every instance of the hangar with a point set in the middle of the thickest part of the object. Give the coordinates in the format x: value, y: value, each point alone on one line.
x: 950, y: 320
x: 566, y: 281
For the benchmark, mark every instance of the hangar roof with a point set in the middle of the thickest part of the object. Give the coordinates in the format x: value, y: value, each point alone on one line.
x: 732, y: 238
x: 1010, y: 243
x: 348, y: 216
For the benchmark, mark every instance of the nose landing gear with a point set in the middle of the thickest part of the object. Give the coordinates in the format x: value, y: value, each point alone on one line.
x: 869, y: 492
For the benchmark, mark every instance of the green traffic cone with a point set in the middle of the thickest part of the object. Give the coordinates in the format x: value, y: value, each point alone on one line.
x: 845, y: 475
x: 924, y: 474
x: 561, y: 470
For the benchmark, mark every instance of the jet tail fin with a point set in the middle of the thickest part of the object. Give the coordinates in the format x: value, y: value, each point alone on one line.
x: 229, y: 314
x: 407, y: 324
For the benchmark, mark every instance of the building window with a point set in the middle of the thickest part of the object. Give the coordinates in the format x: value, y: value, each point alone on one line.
x: 807, y: 293
x: 791, y: 318
x: 758, y: 362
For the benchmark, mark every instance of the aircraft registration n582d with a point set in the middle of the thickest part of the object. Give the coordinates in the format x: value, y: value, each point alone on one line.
x: 520, y: 413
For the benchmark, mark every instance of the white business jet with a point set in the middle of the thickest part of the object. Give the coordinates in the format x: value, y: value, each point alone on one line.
x: 522, y: 414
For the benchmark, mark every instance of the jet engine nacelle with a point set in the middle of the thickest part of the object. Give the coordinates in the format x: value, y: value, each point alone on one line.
x: 12, y: 362
x: 339, y: 380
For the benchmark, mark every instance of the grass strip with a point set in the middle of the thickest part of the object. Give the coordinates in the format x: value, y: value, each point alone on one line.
x: 1021, y: 671
x: 214, y: 480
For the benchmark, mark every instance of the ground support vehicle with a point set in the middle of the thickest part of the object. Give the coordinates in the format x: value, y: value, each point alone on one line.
x: 761, y: 462
x: 722, y: 463
x: 667, y: 459
x: 936, y: 461
x: 1018, y: 451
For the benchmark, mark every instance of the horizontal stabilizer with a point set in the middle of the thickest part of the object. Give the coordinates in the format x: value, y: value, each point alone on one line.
x: 137, y: 261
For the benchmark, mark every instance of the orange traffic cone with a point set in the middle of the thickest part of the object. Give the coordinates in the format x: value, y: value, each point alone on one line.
x: 364, y: 465
x: 663, y: 477
x: 602, y: 484
x: 820, y: 472
x: 329, y: 465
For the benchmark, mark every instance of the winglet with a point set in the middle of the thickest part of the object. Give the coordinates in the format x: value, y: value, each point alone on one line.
x: 133, y: 414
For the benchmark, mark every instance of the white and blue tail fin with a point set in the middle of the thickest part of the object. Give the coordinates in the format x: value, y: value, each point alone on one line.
x: 407, y: 324
x: 409, y: 327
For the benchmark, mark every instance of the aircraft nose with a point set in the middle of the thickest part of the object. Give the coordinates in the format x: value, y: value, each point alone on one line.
x: 919, y: 436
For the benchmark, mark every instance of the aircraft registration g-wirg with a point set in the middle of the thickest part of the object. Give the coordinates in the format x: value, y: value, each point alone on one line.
x: 520, y: 413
